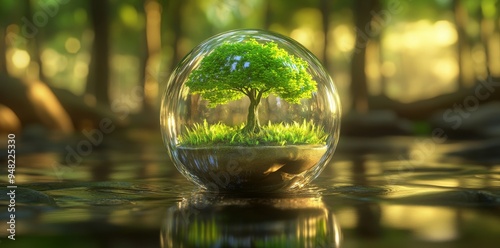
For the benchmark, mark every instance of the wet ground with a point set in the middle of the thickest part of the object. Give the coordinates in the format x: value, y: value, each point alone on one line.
x: 378, y: 192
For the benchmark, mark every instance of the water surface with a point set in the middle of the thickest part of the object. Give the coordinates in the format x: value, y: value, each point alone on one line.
x: 377, y: 192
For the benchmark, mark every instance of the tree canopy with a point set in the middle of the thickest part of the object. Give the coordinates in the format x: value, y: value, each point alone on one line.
x: 236, y: 69
x: 252, y: 69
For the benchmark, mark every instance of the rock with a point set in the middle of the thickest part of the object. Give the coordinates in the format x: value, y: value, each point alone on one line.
x: 375, y: 123
x: 486, y: 152
x: 28, y: 196
x: 462, y: 122
x: 9, y: 122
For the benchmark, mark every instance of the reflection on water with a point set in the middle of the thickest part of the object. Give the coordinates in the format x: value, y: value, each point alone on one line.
x: 379, y: 198
x: 205, y: 220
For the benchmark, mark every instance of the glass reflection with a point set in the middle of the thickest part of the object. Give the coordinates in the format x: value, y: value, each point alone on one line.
x: 206, y: 220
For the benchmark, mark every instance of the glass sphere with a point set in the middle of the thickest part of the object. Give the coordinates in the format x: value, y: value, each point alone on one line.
x: 250, y: 111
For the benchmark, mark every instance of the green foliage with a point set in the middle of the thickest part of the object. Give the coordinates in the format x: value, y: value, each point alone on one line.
x: 271, y: 134
x: 249, y: 68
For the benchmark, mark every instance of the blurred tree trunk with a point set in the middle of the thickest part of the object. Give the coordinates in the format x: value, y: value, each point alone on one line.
x: 489, y: 38
x: 268, y: 15
x: 174, y: 16
x: 325, y: 6
x: 143, y: 55
x: 496, y: 32
x: 383, y: 75
x: 152, y: 10
x: 176, y: 24
x: 461, y: 17
x: 98, y: 80
x: 3, y: 51
x: 359, y: 86
x: 34, y: 49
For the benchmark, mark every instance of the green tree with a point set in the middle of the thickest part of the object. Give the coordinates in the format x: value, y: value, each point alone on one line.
x: 251, y: 69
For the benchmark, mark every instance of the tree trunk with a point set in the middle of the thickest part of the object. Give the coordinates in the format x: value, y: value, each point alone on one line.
x: 152, y: 41
x: 34, y: 50
x: 176, y: 22
x: 359, y: 85
x: 3, y: 51
x: 98, y: 81
x: 268, y: 15
x: 325, y: 11
x: 489, y: 27
x: 462, y: 44
x: 253, y: 124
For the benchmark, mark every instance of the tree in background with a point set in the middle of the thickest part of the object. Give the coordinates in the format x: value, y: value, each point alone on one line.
x: 460, y: 22
x: 325, y: 7
x: 98, y: 80
x: 3, y: 51
x: 152, y: 31
x: 41, y: 28
x: 362, y: 21
x: 251, y: 69
x: 34, y: 47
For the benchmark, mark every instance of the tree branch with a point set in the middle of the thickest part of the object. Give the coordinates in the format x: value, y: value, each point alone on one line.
x: 259, y: 96
x: 246, y: 91
x: 240, y: 90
